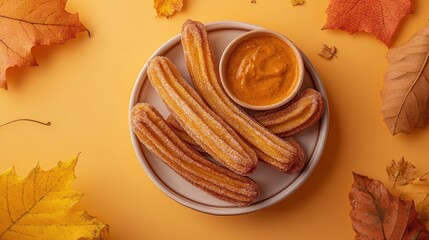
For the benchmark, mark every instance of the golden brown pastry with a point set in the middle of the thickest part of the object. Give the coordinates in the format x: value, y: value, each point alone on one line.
x: 154, y: 133
x: 195, y: 117
x: 284, y: 155
x: 301, y: 113
x: 175, y: 126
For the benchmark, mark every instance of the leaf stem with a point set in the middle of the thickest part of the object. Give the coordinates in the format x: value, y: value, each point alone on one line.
x: 26, y: 120
x: 396, y: 179
x: 422, y: 178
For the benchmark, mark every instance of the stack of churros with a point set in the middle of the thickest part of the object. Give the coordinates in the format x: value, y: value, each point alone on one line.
x: 285, y: 155
x: 198, y: 120
x: 205, y: 120
x: 154, y: 133
x: 300, y: 114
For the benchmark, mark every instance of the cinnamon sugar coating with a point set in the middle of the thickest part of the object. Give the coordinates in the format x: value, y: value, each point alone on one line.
x: 199, y: 122
x: 157, y: 136
x: 299, y: 114
x: 284, y: 155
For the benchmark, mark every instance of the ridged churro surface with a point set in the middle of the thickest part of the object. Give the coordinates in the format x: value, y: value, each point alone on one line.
x: 156, y: 135
x: 284, y: 155
x: 198, y: 120
x: 301, y: 113
x: 175, y: 126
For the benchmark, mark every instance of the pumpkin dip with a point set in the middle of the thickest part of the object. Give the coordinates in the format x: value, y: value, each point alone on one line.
x: 262, y: 70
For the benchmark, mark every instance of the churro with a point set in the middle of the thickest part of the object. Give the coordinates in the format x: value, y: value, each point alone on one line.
x: 175, y: 126
x: 301, y: 113
x: 195, y: 117
x: 284, y: 155
x: 155, y: 134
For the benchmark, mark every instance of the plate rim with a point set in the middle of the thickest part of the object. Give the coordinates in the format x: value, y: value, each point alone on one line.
x: 226, y: 211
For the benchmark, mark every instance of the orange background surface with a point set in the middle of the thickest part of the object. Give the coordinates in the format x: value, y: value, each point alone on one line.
x: 84, y: 86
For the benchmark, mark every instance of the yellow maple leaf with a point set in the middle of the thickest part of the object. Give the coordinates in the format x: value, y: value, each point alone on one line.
x: 417, y: 190
x: 408, y: 187
x: 40, y: 206
x: 165, y: 8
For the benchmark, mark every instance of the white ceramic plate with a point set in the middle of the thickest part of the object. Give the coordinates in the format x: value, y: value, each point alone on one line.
x: 274, y: 185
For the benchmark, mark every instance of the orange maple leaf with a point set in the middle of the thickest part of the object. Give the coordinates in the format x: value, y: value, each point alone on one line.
x: 28, y: 23
x: 377, y: 17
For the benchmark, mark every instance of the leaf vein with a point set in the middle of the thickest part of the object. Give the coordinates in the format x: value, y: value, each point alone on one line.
x: 31, y: 208
x: 39, y: 23
x: 11, y: 49
x: 410, y: 90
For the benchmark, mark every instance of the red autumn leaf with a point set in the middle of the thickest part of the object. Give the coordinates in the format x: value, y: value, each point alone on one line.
x: 377, y: 17
x: 377, y: 214
x: 28, y: 23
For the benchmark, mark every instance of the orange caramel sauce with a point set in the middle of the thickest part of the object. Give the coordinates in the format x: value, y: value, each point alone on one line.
x: 262, y: 70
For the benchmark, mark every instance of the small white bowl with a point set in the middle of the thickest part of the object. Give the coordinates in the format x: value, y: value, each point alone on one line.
x: 232, y: 46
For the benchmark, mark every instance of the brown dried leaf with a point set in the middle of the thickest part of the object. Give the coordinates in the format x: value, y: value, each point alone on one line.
x: 166, y: 8
x: 401, y: 172
x: 405, y: 94
x: 327, y: 52
x: 423, y: 208
x: 377, y: 214
x: 297, y: 2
